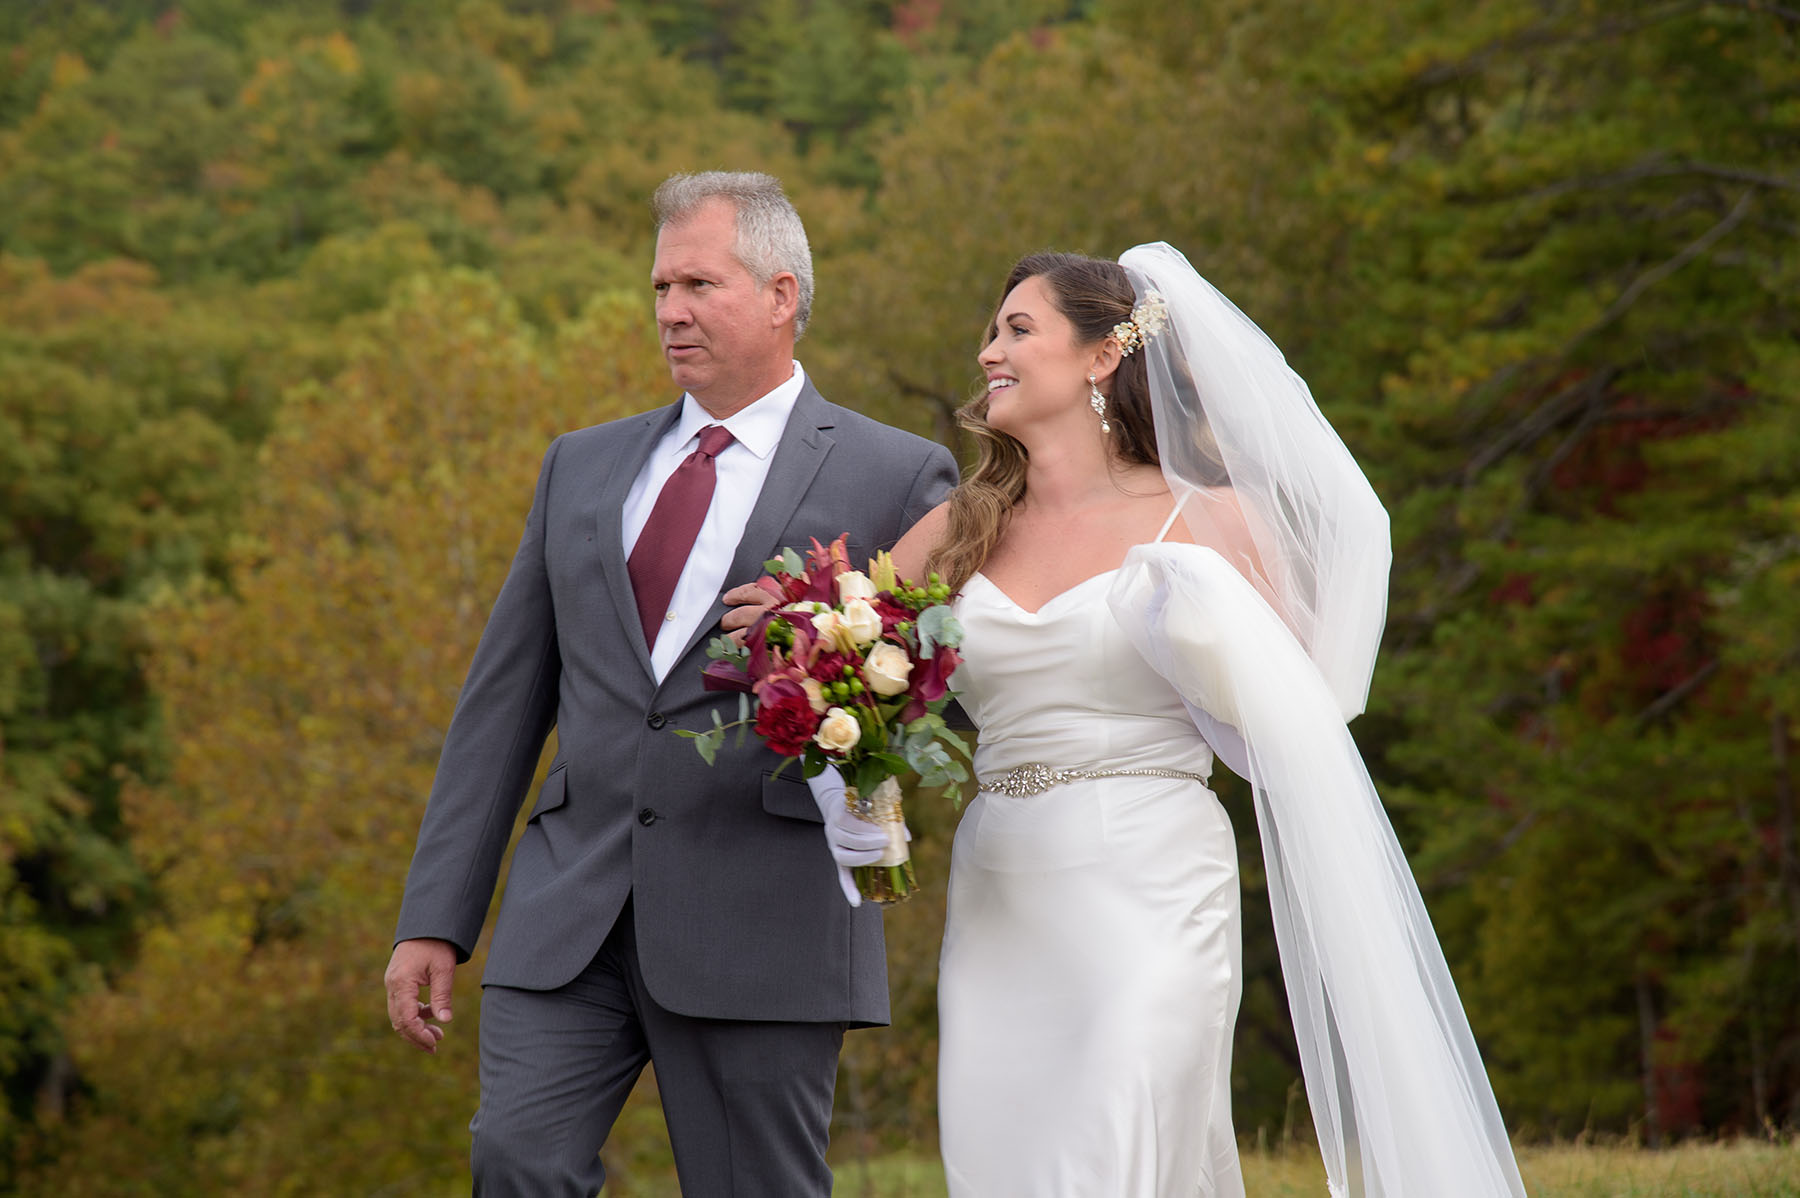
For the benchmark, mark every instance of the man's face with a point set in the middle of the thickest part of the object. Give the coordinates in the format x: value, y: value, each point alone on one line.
x: 727, y: 340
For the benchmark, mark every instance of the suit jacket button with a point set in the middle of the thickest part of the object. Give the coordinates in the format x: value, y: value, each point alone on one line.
x: 646, y: 817
x: 657, y: 719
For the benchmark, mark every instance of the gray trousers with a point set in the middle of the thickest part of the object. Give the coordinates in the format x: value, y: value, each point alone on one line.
x: 748, y: 1104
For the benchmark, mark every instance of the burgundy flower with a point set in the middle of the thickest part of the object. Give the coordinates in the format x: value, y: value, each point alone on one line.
x: 829, y: 667
x: 892, y: 613
x: 784, y: 717
x: 823, y: 565
x: 790, y: 587
x: 725, y: 676
x: 930, y: 680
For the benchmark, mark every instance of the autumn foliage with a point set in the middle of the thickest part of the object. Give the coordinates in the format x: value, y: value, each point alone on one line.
x: 294, y: 295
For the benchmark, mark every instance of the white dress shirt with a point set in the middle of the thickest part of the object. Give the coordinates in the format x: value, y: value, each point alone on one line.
x: 741, y: 468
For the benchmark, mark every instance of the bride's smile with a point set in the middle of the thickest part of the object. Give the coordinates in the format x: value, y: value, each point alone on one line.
x: 1036, y: 366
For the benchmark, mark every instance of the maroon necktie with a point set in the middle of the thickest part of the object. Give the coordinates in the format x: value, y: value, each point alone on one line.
x: 662, y: 549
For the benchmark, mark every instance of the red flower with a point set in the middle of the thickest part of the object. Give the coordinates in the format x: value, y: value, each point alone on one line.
x: 892, y: 613
x: 790, y: 587
x: 930, y: 680
x: 784, y: 717
x: 725, y: 676
x: 829, y: 667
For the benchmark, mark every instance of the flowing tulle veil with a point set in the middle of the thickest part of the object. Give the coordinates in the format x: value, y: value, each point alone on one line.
x: 1399, y: 1096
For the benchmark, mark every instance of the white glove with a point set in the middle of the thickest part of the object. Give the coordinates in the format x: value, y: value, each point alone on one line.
x: 852, y: 839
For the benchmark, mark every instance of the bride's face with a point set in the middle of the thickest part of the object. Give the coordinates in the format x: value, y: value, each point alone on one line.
x: 1036, y: 371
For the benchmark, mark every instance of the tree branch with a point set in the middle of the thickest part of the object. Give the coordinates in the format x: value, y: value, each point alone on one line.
x: 943, y: 409
x: 1659, y: 166
x: 1540, y: 420
x: 1454, y: 878
x: 1790, y: 15
x: 1542, y: 36
x: 1673, y: 697
x: 1657, y: 274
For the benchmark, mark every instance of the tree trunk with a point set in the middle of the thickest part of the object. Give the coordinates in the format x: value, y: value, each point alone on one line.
x: 1787, y: 876
x: 1647, y: 1050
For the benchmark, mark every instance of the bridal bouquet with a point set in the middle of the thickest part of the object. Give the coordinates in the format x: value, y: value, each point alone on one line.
x: 849, y: 669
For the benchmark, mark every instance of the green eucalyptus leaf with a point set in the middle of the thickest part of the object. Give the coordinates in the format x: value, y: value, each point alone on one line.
x: 938, y: 626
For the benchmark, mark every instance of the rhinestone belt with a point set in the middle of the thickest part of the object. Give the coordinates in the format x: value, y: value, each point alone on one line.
x: 1034, y: 778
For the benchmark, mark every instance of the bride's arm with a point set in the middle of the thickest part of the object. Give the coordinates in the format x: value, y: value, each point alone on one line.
x: 910, y: 556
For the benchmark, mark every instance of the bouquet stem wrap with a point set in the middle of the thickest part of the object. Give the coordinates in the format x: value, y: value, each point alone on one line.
x: 889, y: 880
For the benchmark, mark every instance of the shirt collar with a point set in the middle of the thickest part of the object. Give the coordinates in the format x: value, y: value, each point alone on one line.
x: 757, y: 426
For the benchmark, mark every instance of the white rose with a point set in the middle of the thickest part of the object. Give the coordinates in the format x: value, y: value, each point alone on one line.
x: 826, y: 622
x: 854, y: 584
x: 862, y: 621
x: 886, y: 669
x: 838, y: 731
x: 815, y: 695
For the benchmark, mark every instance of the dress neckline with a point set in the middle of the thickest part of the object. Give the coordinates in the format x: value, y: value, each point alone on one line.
x: 1180, y: 502
x: 1042, y: 607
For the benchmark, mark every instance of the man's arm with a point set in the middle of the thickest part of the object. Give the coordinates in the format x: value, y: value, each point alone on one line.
x: 931, y: 486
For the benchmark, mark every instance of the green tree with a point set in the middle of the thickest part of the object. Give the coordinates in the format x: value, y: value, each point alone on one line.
x: 122, y: 424
x: 1558, y: 307
x: 246, y: 1051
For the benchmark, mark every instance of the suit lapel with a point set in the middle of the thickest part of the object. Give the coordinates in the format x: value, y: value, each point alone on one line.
x: 639, y: 438
x: 802, y: 449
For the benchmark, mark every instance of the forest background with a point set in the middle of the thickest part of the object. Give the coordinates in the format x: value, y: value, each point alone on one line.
x: 293, y: 294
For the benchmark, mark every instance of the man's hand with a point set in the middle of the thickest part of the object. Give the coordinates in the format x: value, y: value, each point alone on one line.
x: 416, y: 963
x: 852, y: 839
x: 748, y: 603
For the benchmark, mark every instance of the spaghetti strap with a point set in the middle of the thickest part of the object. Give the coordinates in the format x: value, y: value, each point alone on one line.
x: 1170, y: 522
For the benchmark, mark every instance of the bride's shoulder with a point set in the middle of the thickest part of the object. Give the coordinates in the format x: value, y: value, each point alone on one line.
x: 1215, y: 518
x: 919, y: 540
x: 1214, y: 510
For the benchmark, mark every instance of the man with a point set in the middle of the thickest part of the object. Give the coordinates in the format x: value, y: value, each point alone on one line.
x: 657, y: 908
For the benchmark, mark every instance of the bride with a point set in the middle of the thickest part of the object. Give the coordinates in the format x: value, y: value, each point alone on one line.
x: 1166, y: 553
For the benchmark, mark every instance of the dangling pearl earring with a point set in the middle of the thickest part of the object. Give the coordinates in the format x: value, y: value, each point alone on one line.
x: 1097, y: 401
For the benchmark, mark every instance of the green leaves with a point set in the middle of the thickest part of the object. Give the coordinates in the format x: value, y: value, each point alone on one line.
x: 926, y: 749
x: 723, y: 648
x: 936, y: 626
x: 788, y: 562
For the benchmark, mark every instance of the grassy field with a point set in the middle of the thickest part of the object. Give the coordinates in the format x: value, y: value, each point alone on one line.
x: 1746, y: 1169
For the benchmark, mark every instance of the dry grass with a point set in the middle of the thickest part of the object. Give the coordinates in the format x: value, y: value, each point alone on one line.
x: 1744, y: 1169
x: 1741, y: 1169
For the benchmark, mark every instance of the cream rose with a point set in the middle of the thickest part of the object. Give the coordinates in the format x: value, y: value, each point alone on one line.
x: 838, y: 731
x: 854, y: 584
x: 815, y: 695
x: 826, y: 623
x: 862, y: 621
x: 887, y: 669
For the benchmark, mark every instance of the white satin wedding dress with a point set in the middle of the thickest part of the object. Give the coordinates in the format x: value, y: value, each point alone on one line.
x: 1090, y: 974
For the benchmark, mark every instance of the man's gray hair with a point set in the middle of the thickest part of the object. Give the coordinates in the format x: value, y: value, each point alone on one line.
x: 770, y: 237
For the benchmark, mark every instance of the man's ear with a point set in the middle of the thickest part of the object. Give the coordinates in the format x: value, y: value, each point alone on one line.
x: 786, y: 291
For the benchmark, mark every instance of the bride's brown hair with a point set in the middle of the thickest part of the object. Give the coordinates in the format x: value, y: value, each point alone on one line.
x: 1094, y: 295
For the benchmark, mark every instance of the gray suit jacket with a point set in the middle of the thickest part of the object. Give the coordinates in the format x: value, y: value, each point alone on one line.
x: 733, y: 890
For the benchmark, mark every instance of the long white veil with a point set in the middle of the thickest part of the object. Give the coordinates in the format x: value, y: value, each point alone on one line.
x: 1269, y: 628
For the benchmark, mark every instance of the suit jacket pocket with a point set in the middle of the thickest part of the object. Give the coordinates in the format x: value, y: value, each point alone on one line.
x: 789, y: 796
x: 554, y: 794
